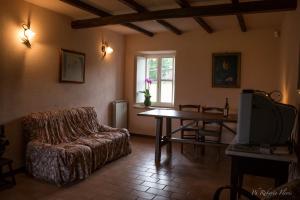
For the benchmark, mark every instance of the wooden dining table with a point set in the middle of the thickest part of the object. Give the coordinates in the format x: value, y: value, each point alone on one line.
x: 168, y: 114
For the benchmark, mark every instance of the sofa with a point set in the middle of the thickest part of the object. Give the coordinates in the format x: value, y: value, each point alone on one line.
x: 68, y: 145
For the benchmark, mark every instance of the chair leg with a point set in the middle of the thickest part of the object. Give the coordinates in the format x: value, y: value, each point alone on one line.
x: 12, y: 174
x: 181, y: 150
x: 203, y: 147
x: 218, y: 153
x: 197, y: 140
x: 1, y: 174
x: 240, y: 184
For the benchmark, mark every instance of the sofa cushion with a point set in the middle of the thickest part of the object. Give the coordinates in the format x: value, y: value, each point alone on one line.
x: 76, y: 161
x: 106, y: 146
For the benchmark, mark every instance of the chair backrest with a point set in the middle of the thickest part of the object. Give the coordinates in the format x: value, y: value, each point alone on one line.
x: 214, y: 110
x: 189, y: 107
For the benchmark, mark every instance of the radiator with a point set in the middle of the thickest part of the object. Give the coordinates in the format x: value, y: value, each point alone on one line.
x: 120, y: 114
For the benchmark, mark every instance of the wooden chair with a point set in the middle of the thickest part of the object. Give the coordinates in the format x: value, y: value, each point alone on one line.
x: 4, y: 183
x: 189, y: 129
x: 289, y: 190
x: 211, y: 130
x: 239, y: 191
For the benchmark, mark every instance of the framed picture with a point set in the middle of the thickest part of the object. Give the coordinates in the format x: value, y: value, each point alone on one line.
x: 72, y: 66
x: 226, y: 70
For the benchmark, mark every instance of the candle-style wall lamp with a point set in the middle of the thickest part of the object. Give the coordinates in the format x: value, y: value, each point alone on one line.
x: 26, y: 35
x: 105, y: 49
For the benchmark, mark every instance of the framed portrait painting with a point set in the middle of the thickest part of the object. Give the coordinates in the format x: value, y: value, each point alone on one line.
x: 72, y: 66
x: 226, y: 70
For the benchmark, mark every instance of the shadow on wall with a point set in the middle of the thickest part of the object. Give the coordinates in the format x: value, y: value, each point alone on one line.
x: 11, y: 78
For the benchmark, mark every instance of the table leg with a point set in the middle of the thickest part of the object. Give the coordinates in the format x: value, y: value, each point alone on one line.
x: 234, y: 177
x: 169, y: 134
x: 284, y: 176
x: 159, y: 122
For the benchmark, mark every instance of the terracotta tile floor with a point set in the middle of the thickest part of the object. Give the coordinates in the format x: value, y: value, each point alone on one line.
x: 135, y: 176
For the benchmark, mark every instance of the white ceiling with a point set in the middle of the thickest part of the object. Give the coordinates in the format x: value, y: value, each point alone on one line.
x: 253, y: 21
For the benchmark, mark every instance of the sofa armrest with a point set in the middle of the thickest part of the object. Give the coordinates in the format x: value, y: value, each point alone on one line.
x: 39, y: 146
x: 104, y: 128
x: 60, y: 164
x: 43, y: 160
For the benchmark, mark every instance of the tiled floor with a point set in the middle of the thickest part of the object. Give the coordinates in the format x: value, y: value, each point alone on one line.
x: 135, y: 176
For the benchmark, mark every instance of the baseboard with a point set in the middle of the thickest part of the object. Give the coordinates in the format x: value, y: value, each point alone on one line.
x: 19, y: 170
x: 141, y: 135
x: 16, y: 171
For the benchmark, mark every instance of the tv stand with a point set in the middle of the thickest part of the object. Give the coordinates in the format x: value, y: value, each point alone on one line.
x: 258, y: 164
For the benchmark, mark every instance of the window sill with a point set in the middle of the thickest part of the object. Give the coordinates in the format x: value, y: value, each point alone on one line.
x: 140, y: 106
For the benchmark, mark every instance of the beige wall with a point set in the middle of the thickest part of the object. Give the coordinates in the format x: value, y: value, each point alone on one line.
x: 259, y: 70
x: 290, y: 52
x: 289, y: 63
x: 29, y: 77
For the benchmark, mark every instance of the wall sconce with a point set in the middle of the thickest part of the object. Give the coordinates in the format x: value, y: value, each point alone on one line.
x: 26, y: 35
x: 105, y: 49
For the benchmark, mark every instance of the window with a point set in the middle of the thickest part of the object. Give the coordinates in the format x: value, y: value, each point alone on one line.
x: 160, y: 69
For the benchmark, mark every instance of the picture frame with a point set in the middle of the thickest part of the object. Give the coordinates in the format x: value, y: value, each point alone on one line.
x: 226, y: 70
x: 72, y: 66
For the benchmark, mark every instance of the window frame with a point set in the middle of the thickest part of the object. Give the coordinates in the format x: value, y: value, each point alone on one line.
x: 159, y: 56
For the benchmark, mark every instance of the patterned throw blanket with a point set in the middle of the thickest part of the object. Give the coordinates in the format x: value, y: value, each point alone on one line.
x: 68, y: 145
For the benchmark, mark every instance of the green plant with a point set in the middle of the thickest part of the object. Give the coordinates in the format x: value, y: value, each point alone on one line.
x: 147, y: 89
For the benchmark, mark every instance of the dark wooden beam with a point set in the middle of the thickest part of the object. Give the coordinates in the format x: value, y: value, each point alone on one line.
x: 139, y: 29
x: 242, y: 22
x: 201, y: 11
x: 86, y: 7
x: 199, y: 20
x: 183, y: 3
x: 240, y: 17
x: 139, y: 8
x: 101, y: 13
x: 169, y: 26
x: 203, y: 24
x: 134, y: 5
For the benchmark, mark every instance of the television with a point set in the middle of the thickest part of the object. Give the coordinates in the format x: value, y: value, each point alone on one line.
x: 263, y: 121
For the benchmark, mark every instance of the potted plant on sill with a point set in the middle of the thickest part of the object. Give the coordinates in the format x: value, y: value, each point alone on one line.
x: 147, y: 101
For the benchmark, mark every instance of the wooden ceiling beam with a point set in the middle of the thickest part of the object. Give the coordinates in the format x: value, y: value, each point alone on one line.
x: 199, y: 20
x: 200, y: 11
x: 101, y: 13
x: 86, y: 7
x: 240, y: 18
x: 139, y: 8
x: 134, y: 5
x: 242, y: 22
